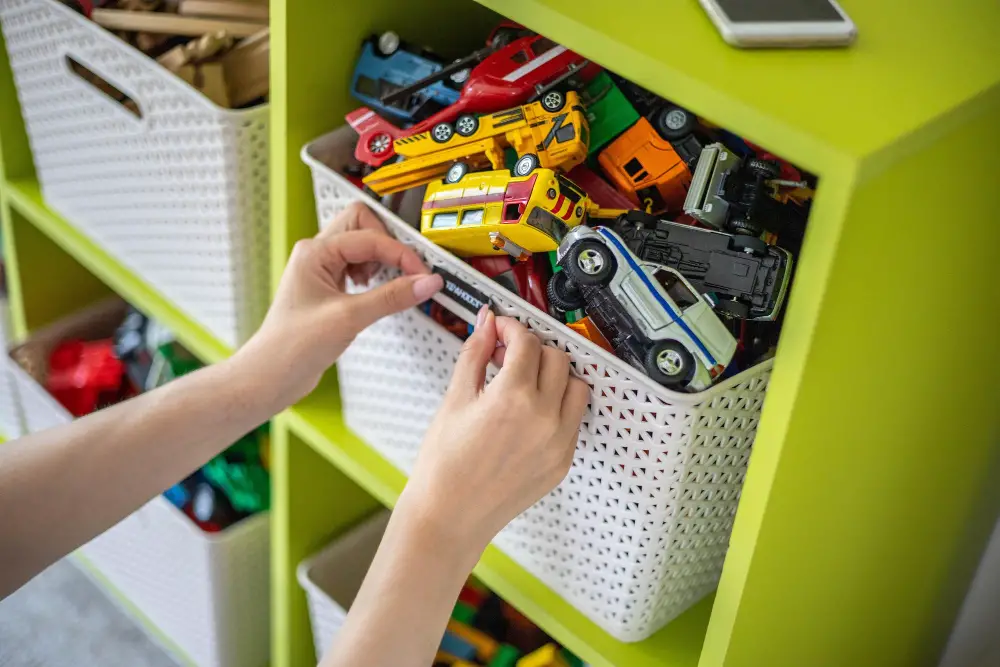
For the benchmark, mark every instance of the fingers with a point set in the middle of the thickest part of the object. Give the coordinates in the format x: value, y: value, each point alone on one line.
x: 523, y: 354
x: 354, y: 217
x: 359, y: 247
x: 553, y: 373
x: 394, y: 296
x: 470, y: 371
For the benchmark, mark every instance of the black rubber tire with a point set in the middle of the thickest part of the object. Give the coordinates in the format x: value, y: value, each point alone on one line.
x: 563, y: 294
x: 456, y: 172
x: 653, y: 370
x: 672, y: 130
x: 601, y: 277
x: 751, y: 245
x: 744, y: 226
x: 552, y: 101
x: 442, y: 132
x: 466, y: 125
x: 733, y: 309
x: 525, y: 164
x: 765, y: 168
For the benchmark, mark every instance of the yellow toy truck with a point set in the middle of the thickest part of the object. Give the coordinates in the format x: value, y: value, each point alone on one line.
x: 554, y: 134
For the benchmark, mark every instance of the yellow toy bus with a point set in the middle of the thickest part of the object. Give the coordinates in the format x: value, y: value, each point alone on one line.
x: 555, y: 133
x: 475, y: 214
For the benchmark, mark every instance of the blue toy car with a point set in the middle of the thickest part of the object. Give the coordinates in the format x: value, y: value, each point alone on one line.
x: 386, y: 64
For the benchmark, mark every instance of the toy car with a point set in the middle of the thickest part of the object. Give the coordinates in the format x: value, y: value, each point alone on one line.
x: 239, y: 473
x: 526, y: 279
x: 527, y: 67
x: 652, y: 316
x: 85, y: 376
x: 675, y: 124
x: 554, y: 135
x: 747, y: 277
x: 386, y: 64
x: 732, y: 193
x: 470, y: 213
x: 646, y: 167
x: 609, y: 113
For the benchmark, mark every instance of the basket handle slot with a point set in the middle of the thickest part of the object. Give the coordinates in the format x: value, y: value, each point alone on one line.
x: 103, y: 86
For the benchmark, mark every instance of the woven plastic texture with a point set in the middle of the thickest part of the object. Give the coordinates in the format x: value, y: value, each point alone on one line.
x: 332, y: 578
x: 179, y: 195
x: 39, y: 410
x: 11, y: 423
x: 638, y: 530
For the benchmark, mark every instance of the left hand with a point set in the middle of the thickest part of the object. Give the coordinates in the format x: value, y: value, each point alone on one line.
x: 312, y: 319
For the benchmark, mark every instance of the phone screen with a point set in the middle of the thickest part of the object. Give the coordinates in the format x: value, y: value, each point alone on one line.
x: 778, y: 11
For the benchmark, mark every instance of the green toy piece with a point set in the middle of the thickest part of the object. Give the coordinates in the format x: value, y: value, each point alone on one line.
x: 463, y: 613
x: 506, y: 656
x: 240, y: 474
x: 609, y: 113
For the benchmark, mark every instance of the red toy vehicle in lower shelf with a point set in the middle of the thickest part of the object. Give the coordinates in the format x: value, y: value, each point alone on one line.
x: 85, y: 376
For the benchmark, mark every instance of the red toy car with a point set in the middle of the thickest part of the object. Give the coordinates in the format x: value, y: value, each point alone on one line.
x: 525, y: 279
x: 84, y: 377
x: 512, y: 75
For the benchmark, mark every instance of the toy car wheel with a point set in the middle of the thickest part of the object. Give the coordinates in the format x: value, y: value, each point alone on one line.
x: 590, y: 263
x: 669, y: 363
x: 563, y: 294
x: 380, y: 144
x: 387, y: 43
x: 733, y: 309
x: 674, y: 123
x: 744, y: 226
x: 456, y: 172
x: 765, y: 168
x: 442, y: 132
x: 751, y: 245
x: 526, y: 164
x: 466, y: 125
x: 553, y: 101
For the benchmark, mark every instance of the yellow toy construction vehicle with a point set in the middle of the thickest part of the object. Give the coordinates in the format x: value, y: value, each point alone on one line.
x: 554, y: 132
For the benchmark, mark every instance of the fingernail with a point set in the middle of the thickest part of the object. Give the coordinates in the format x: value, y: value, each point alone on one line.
x: 484, y: 311
x: 427, y: 286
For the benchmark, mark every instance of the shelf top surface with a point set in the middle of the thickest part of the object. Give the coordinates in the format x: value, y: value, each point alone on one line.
x: 317, y: 421
x: 27, y: 198
x: 912, y: 62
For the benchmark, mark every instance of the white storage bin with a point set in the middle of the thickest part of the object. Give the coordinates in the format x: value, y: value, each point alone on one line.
x: 638, y: 530
x: 332, y: 578
x: 208, y: 592
x: 11, y: 423
x: 179, y: 195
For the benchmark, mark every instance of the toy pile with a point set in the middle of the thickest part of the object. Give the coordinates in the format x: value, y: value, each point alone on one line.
x: 486, y: 631
x: 221, y: 47
x: 663, y: 239
x: 86, y: 375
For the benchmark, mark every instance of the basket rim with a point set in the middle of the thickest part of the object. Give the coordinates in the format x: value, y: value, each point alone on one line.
x: 689, y: 399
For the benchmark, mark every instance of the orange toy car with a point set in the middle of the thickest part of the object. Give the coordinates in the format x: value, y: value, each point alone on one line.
x: 647, y: 168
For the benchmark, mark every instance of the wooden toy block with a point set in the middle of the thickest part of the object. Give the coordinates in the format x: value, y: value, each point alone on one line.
x: 247, y: 69
x: 210, y: 79
x: 226, y: 9
x: 197, y: 50
x: 170, y: 24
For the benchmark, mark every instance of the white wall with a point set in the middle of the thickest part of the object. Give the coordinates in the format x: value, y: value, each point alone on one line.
x: 975, y: 641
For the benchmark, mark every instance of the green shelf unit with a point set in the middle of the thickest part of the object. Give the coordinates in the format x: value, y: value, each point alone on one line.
x: 867, y: 501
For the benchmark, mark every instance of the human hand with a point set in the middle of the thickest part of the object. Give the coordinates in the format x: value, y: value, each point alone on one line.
x: 312, y: 319
x: 491, y: 453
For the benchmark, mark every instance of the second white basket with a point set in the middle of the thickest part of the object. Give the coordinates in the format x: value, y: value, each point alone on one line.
x: 638, y: 530
x: 332, y: 578
x: 179, y: 193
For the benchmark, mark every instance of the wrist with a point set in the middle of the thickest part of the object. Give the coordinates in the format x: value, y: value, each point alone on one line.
x: 254, y: 379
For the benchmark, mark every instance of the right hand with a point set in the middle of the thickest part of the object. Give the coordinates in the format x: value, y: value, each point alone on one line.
x: 491, y: 453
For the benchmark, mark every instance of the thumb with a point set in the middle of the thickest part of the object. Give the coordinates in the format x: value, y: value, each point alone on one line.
x: 470, y: 371
x: 394, y: 296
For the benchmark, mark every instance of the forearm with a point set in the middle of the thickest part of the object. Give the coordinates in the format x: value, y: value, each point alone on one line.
x: 61, y: 487
x: 400, y: 613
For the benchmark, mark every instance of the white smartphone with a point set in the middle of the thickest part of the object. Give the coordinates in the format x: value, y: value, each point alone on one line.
x: 784, y: 23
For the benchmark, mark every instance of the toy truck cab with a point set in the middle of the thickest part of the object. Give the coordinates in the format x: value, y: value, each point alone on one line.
x: 646, y: 168
x: 653, y: 317
x: 386, y: 65
x: 467, y: 212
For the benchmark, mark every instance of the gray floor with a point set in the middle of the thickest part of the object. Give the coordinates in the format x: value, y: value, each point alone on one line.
x: 61, y: 619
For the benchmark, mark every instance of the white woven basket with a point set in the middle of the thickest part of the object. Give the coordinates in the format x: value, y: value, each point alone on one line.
x: 638, y: 530
x: 332, y: 578
x: 208, y: 593
x: 179, y: 195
